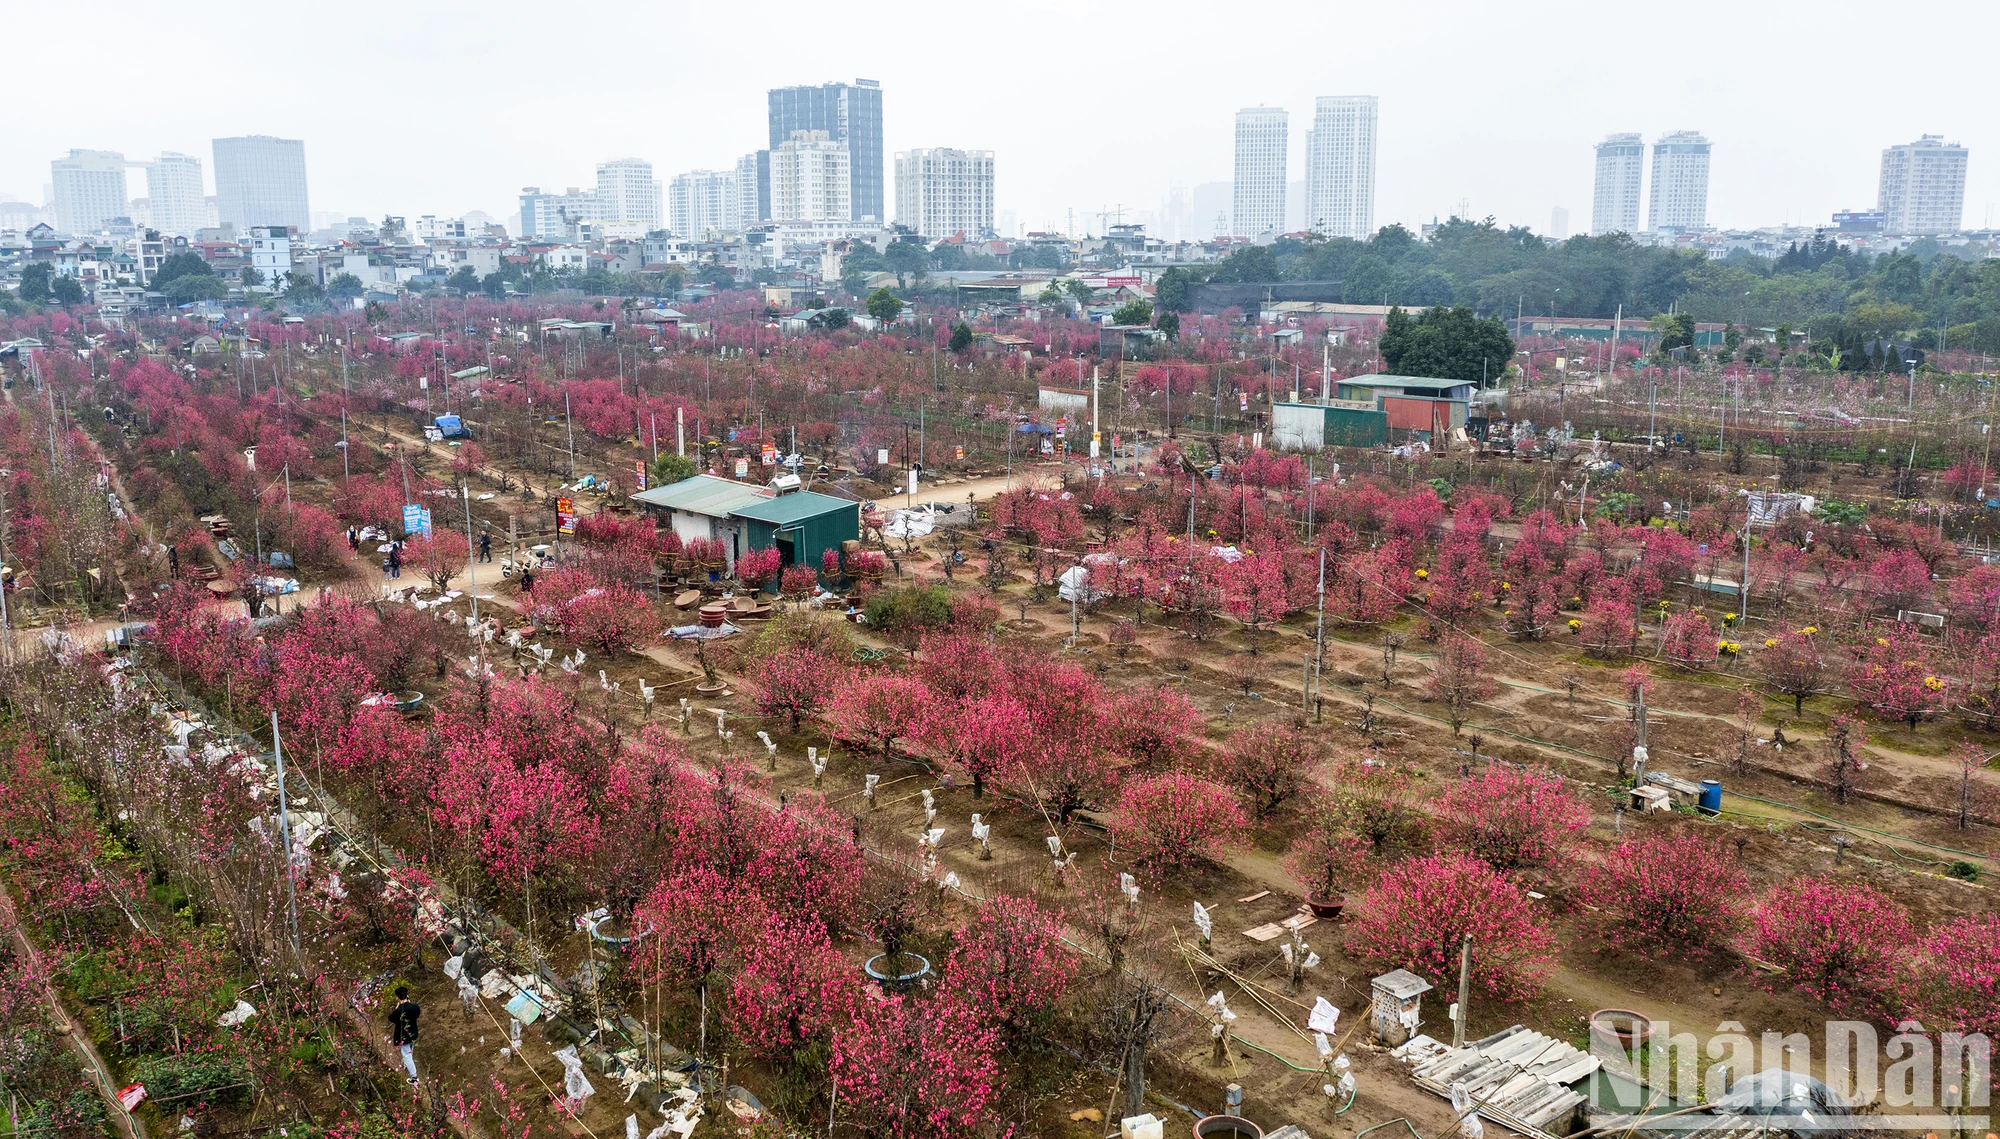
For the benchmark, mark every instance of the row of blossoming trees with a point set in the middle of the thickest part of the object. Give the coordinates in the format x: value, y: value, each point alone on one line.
x: 537, y: 793
x: 1258, y: 540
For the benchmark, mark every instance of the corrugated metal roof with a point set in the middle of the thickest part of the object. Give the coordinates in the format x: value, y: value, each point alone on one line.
x: 703, y: 494
x: 789, y: 508
x: 1407, y: 383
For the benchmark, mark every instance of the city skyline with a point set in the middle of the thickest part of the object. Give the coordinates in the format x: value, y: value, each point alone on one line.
x: 1777, y: 157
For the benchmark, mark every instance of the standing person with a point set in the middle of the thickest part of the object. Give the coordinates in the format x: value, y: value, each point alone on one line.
x: 354, y: 539
x: 396, y: 560
x: 486, y: 546
x: 527, y: 581
x: 403, y: 1029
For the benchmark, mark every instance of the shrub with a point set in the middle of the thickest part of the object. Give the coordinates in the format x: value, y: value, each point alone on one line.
x: 1690, y: 640
x: 905, y: 615
x: 1512, y: 819
x: 1838, y: 941
x: 1269, y: 765
x: 1420, y: 911
x: 1675, y: 895
x: 1327, y: 860
x: 757, y: 567
x: 794, y: 683
x: 1955, y: 978
x: 1175, y: 821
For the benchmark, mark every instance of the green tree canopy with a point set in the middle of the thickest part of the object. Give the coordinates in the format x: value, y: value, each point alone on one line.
x: 196, y: 287
x: 346, y: 286
x: 961, y: 337
x: 177, y: 265
x: 669, y: 469
x: 34, y: 287
x: 884, y: 305
x: 1134, y: 311
x: 1174, y: 290
x: 908, y: 259
x: 66, y: 291
x: 1445, y: 343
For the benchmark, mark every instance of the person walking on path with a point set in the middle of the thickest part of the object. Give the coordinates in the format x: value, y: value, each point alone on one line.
x: 486, y: 546
x: 403, y: 1029
x: 396, y: 560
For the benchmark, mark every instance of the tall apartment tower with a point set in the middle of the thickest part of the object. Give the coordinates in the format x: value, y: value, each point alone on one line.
x: 1614, y: 202
x: 1261, y: 135
x: 174, y: 183
x: 1340, y: 166
x: 1923, y: 186
x: 850, y: 115
x: 89, y: 190
x: 260, y: 180
x: 753, y: 189
x: 811, y: 178
x: 626, y: 192
x: 942, y: 191
x: 702, y: 204
x: 1680, y: 182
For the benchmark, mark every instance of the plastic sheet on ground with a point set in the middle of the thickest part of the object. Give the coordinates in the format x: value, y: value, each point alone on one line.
x: 702, y: 632
x: 910, y: 523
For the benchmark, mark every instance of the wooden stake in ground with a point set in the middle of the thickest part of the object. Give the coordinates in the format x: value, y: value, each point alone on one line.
x: 1464, y: 993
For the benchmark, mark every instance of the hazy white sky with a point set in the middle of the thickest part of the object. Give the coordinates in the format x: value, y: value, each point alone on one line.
x: 416, y: 108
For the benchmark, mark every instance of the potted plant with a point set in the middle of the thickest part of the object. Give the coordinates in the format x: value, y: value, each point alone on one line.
x: 1325, y: 860
x: 895, y: 968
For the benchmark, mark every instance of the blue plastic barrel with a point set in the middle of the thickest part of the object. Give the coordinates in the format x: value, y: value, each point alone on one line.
x: 1711, y: 796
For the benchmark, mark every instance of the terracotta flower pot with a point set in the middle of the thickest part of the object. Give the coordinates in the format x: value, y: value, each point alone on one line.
x: 1327, y: 909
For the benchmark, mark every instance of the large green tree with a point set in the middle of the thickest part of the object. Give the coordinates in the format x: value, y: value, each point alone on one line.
x: 1445, y: 343
x: 884, y: 305
x: 34, y: 287
x: 1174, y: 290
x: 177, y: 265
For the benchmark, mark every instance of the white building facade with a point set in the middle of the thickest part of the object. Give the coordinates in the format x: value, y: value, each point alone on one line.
x: 1614, y: 199
x: 1923, y: 187
x: 942, y: 191
x: 626, y: 192
x: 1340, y: 166
x: 1679, y: 200
x: 810, y: 180
x: 702, y: 204
x: 271, y: 254
x: 1262, y: 134
x: 260, y: 180
x: 179, y: 205
x: 89, y: 190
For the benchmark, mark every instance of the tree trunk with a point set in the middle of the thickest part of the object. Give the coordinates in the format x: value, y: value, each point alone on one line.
x: 1135, y: 1078
x: 978, y: 784
x: 1798, y: 703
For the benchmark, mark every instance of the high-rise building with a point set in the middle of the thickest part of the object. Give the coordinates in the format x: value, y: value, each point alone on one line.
x: 753, y: 190
x: 1340, y: 166
x: 1614, y: 202
x: 810, y: 179
x: 626, y: 192
x: 89, y: 190
x: 1559, y: 223
x: 942, y: 191
x: 850, y: 115
x: 173, y: 182
x: 555, y: 217
x: 1679, y: 199
x: 702, y: 204
x: 260, y: 180
x: 1923, y: 186
x: 1261, y: 135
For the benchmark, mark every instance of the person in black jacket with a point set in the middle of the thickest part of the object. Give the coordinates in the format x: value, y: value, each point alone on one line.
x: 403, y: 1029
